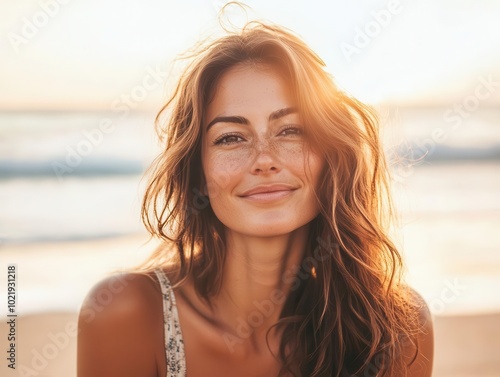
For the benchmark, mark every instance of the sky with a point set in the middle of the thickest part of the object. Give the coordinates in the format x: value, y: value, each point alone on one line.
x: 90, y: 55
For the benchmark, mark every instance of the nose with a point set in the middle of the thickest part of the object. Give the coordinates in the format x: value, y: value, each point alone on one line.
x: 265, y: 161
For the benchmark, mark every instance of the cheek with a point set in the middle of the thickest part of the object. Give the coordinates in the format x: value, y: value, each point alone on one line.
x: 222, y: 170
x: 313, y: 168
x: 316, y: 164
x: 303, y: 161
x: 288, y: 153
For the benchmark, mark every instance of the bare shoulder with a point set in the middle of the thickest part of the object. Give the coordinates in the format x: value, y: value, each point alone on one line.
x: 129, y: 293
x: 118, y: 327
x: 422, y: 360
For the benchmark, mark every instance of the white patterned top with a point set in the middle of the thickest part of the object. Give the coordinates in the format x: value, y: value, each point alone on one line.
x: 174, y: 343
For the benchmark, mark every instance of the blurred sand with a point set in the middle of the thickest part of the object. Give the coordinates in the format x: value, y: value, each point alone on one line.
x: 466, y: 346
x: 53, y: 280
x: 45, y: 345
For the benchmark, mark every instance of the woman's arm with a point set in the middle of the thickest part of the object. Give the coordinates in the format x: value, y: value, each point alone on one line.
x: 116, y: 329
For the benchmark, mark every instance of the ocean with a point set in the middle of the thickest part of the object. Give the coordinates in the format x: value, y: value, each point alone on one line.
x: 71, y: 175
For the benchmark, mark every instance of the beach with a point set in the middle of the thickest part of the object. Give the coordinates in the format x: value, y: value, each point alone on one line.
x: 466, y: 346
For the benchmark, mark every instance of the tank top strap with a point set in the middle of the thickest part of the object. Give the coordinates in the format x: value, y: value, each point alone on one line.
x: 174, y: 343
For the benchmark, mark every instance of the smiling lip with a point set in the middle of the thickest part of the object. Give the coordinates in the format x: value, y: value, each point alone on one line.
x: 268, y: 192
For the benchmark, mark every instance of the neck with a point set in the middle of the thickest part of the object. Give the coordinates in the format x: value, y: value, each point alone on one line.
x: 255, y: 283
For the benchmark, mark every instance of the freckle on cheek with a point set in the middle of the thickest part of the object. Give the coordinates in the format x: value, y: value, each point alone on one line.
x: 288, y: 152
x: 234, y: 163
x: 229, y: 164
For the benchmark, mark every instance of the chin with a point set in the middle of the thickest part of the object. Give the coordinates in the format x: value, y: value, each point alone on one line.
x: 268, y: 227
x: 265, y: 231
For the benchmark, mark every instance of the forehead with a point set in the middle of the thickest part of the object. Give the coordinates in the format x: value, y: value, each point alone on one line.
x: 249, y: 89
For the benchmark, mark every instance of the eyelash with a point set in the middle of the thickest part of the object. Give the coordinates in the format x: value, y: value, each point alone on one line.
x: 220, y: 140
x: 293, y: 127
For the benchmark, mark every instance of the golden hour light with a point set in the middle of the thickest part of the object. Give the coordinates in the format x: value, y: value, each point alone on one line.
x: 249, y: 186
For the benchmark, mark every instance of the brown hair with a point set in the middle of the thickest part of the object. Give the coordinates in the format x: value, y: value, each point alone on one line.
x: 352, y: 311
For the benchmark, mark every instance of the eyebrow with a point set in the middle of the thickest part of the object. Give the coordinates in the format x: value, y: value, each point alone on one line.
x: 242, y: 120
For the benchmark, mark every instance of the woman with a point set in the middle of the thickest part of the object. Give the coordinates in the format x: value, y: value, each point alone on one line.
x: 270, y: 197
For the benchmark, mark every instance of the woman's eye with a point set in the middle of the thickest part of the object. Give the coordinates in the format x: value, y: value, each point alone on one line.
x: 228, y: 139
x: 292, y: 131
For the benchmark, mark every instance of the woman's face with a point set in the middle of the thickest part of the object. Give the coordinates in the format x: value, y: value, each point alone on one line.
x: 259, y: 170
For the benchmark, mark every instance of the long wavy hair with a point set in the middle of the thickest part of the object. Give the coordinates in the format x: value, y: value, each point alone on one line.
x: 352, y: 315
